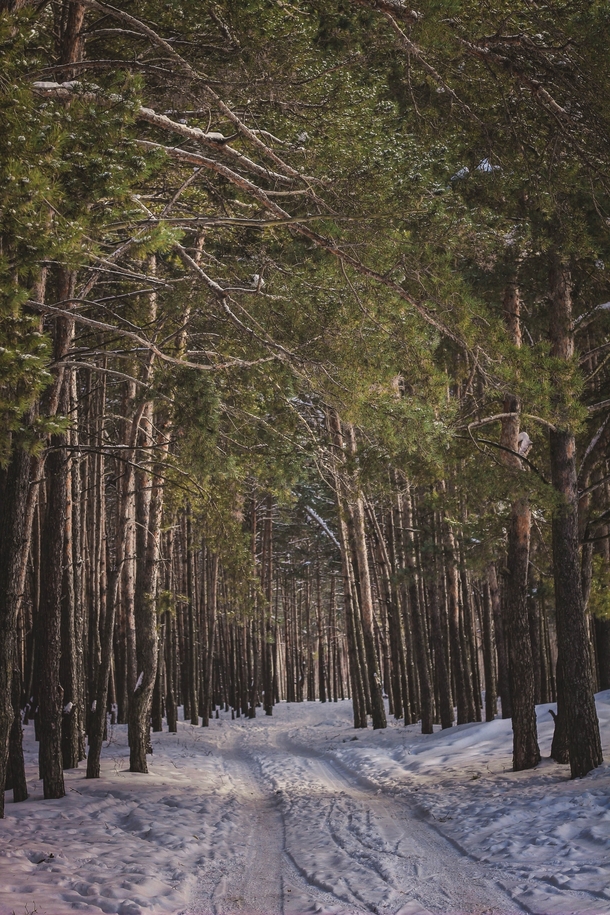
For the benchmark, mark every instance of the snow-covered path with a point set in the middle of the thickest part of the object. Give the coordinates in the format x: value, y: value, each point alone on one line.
x: 299, y: 813
x: 315, y: 838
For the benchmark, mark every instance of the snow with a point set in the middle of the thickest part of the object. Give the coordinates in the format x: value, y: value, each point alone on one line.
x: 300, y: 813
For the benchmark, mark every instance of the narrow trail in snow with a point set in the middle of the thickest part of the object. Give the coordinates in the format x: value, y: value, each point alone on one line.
x: 305, y: 835
x: 253, y: 882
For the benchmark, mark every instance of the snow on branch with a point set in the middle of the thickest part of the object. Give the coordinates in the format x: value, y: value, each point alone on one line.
x: 160, y: 42
x: 322, y: 523
x: 212, y: 139
x: 499, y: 416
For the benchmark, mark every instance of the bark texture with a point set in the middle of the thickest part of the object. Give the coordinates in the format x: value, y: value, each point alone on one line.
x: 578, y: 703
x: 526, y: 753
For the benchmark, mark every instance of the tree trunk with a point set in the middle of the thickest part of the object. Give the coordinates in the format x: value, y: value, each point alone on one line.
x: 171, y: 707
x: 419, y: 623
x: 366, y: 600
x: 349, y: 590
x: 390, y: 597
x: 14, y: 486
x: 193, y: 627
x: 16, y: 766
x: 602, y: 631
x: 50, y: 701
x: 502, y: 651
x: 572, y: 637
x: 471, y: 648
x: 266, y: 621
x: 77, y: 564
x: 491, y: 696
x: 109, y: 597
x: 70, y: 742
x: 208, y: 648
x: 526, y: 753
x: 457, y: 656
x: 149, y: 516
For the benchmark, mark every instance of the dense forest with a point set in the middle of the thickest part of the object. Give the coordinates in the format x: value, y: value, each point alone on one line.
x: 304, y: 367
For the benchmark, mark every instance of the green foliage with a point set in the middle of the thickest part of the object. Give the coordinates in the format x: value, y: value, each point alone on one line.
x: 24, y: 219
x: 67, y: 173
x: 448, y: 187
x: 599, y: 596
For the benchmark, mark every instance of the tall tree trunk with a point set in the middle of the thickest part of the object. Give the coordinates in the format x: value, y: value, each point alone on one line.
x: 128, y: 573
x: 349, y: 590
x: 150, y: 515
x: 578, y: 704
x: 440, y: 636
x: 350, y: 609
x: 471, y: 648
x: 502, y: 651
x: 267, y: 627
x: 399, y: 562
x: 356, y: 505
x: 419, y: 621
x: 491, y: 696
x: 193, y: 627
x: 52, y: 558
x: 109, y: 589
x: 78, y: 561
x: 526, y: 753
x: 16, y: 767
x: 109, y: 592
x: 390, y: 597
x: 70, y: 737
x: 208, y: 648
x: 171, y: 706
x: 50, y: 701
x: 14, y: 486
x: 464, y: 711
x: 442, y: 671
x: 321, y: 639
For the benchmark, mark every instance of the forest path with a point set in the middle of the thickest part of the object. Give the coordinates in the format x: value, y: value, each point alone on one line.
x: 299, y: 813
x: 302, y: 834
x: 243, y: 873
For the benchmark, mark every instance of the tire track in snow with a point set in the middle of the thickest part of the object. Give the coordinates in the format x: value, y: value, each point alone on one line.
x: 254, y: 883
x: 301, y: 834
x: 244, y: 877
x: 372, y: 850
x: 251, y: 873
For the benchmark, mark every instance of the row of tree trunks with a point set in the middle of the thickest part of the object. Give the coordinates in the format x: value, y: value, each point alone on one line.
x: 232, y: 647
x: 204, y: 660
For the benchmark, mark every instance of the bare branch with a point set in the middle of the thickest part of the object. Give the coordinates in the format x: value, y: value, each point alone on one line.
x: 147, y: 344
x: 500, y: 416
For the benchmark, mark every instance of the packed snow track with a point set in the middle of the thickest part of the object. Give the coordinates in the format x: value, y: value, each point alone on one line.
x: 315, y: 839
x: 298, y: 813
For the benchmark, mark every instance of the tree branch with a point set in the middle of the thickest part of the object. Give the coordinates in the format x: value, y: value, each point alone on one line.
x: 147, y: 344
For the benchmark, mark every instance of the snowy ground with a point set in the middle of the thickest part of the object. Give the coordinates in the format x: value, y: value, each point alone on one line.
x: 299, y: 813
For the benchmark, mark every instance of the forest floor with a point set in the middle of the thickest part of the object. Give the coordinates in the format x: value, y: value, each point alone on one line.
x: 299, y: 813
